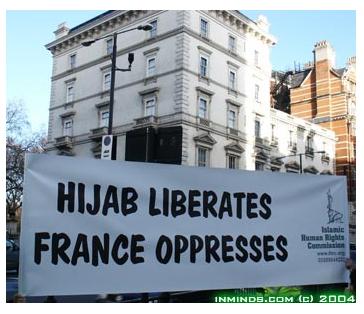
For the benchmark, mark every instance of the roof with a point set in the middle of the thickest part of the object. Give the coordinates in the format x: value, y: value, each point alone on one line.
x: 340, y: 71
x: 298, y: 77
x: 90, y: 21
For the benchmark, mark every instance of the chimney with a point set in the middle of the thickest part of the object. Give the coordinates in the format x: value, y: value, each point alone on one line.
x: 324, y: 51
x: 263, y: 23
x: 308, y: 65
x: 61, y: 31
x: 351, y: 62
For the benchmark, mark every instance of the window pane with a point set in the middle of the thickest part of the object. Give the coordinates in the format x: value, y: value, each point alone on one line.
x: 153, y: 31
x: 70, y: 93
x: 203, y: 66
x: 232, y: 162
x: 150, y: 108
x: 231, y: 43
x: 204, y: 28
x: 256, y: 57
x: 232, y: 79
x: 202, y: 113
x: 104, y: 119
x: 256, y: 92
x: 231, y: 119
x: 151, y: 66
x: 202, y: 157
x: 107, y: 81
x: 109, y: 44
x: 67, y: 128
x: 73, y: 61
x: 257, y: 129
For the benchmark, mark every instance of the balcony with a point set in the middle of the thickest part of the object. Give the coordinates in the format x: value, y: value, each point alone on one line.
x: 97, y: 133
x: 293, y: 147
x: 146, y: 121
x: 203, y: 122
x: 309, y: 151
x: 232, y: 131
x: 63, y: 142
x: 274, y: 142
x: 259, y: 141
x: 325, y: 158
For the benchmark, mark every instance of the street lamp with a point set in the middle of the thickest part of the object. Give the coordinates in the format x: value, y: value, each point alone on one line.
x: 301, y: 154
x: 147, y: 27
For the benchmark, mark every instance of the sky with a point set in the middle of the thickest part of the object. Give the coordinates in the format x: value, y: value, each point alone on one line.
x: 29, y: 63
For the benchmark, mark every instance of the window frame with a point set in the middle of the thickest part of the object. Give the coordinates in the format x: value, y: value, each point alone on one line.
x: 206, y: 162
x: 234, y: 41
x: 66, y: 121
x: 203, y: 56
x: 101, y: 119
x: 257, y: 126
x: 257, y: 93
x: 109, y: 40
x: 232, y: 87
x: 204, y: 32
x: 104, y: 75
x: 236, y: 159
x: 70, y: 97
x: 148, y: 59
x: 72, y: 60
x: 145, y: 102
x: 154, y: 31
x: 200, y: 97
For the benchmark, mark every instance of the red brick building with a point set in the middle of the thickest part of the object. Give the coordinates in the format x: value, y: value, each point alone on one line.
x: 326, y: 95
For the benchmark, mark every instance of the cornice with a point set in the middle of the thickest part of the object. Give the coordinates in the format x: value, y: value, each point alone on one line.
x: 115, y: 20
x: 241, y: 24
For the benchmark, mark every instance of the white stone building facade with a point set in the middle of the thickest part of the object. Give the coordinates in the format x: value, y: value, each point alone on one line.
x: 206, y: 71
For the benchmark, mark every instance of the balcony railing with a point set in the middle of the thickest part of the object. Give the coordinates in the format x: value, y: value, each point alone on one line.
x: 63, y: 142
x: 325, y: 158
x: 293, y: 147
x: 203, y: 121
x: 261, y: 141
x: 146, y: 121
x: 274, y: 142
x: 309, y: 151
x: 232, y: 131
x: 98, y: 132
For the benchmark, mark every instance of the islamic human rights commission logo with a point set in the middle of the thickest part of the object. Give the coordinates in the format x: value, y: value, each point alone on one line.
x: 333, y: 215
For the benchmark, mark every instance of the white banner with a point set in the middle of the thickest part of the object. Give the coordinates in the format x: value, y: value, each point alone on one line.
x: 95, y: 226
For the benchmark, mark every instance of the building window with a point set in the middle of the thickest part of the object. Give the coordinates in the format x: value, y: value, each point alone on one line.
x: 232, y: 119
x: 232, y: 44
x: 256, y: 92
x: 203, y: 66
x: 202, y: 108
x: 67, y: 127
x: 153, y: 31
x: 149, y: 104
x: 107, y: 81
x: 232, y: 162
x: 151, y: 66
x: 104, y: 118
x: 257, y: 128
x: 109, y: 46
x: 256, y: 58
x: 73, y: 61
x: 290, y: 138
x: 204, y: 28
x: 273, y: 132
x: 70, y: 92
x: 309, y: 143
x: 202, y: 157
x: 232, y: 79
x: 259, y: 166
